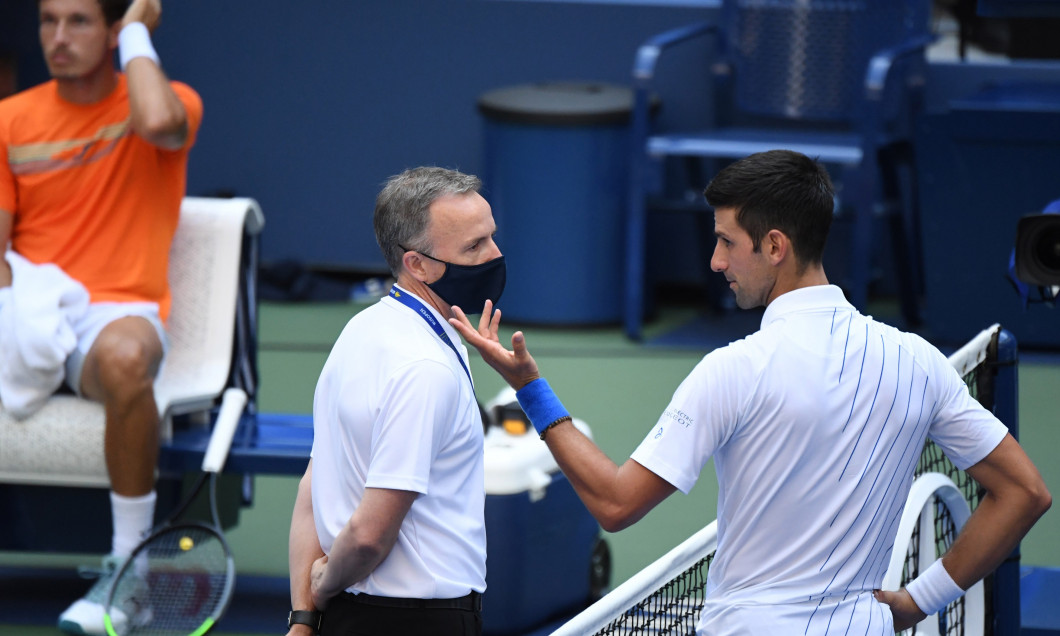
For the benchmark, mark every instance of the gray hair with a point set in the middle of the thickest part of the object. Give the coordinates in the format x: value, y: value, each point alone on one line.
x: 402, y: 209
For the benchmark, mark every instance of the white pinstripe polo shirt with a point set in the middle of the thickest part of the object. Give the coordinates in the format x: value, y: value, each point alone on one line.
x: 815, y: 423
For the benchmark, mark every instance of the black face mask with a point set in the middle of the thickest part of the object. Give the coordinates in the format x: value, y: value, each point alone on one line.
x: 468, y: 286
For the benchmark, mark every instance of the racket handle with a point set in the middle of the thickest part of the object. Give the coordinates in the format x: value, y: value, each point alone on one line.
x: 232, y: 403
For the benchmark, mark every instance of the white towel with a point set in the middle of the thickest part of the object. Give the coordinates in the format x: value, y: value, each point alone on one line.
x: 37, y: 314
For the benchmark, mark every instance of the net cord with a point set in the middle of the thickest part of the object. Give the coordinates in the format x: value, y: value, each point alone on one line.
x: 644, y: 583
x: 972, y: 354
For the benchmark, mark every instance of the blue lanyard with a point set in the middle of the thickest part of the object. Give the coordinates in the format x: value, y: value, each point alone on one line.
x: 412, y: 303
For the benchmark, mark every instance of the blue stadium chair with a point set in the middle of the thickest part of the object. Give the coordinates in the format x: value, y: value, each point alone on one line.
x: 838, y: 80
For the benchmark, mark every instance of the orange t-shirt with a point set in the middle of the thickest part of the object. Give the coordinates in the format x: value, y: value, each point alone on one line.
x: 89, y: 195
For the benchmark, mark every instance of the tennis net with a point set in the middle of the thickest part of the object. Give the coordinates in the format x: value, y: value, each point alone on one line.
x: 667, y: 596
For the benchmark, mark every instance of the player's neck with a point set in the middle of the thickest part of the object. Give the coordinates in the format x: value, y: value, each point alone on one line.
x: 792, y: 279
x: 90, y: 88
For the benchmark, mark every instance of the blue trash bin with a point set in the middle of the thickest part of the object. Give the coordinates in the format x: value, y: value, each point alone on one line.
x: 556, y: 166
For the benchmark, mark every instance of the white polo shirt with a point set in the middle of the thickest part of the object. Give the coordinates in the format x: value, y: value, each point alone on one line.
x: 395, y: 409
x: 815, y: 424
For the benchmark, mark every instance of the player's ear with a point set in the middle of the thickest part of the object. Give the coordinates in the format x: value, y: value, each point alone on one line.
x: 776, y: 245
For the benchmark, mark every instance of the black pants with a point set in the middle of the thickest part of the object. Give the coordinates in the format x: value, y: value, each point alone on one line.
x: 359, y: 615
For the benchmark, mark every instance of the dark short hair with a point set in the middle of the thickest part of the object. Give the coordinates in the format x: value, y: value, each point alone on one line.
x: 113, y: 10
x: 402, y: 209
x: 782, y: 190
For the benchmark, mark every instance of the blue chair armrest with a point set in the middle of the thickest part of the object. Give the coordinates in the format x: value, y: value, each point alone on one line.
x: 649, y: 52
x: 644, y: 72
x: 265, y: 443
x: 877, y: 81
x: 881, y: 64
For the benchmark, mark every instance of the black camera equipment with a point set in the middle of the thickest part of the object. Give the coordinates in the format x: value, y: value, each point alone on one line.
x: 1038, y: 249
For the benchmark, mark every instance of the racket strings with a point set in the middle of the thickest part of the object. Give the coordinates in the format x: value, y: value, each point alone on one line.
x: 950, y: 619
x: 182, y: 582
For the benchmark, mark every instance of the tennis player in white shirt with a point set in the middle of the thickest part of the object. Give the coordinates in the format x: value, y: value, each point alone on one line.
x: 814, y: 422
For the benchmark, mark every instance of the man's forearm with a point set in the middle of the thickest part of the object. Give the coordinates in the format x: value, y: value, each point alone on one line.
x: 351, y: 560
x: 156, y: 113
x: 616, y: 496
x: 591, y: 473
x: 303, y: 547
x: 5, y: 272
x: 365, y: 541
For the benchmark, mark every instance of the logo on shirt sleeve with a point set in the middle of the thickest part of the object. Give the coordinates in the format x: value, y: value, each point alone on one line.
x: 682, y: 418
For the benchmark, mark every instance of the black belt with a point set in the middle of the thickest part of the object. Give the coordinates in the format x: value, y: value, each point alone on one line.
x: 471, y: 603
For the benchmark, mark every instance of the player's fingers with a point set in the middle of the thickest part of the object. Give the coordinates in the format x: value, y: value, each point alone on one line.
x: 895, y: 602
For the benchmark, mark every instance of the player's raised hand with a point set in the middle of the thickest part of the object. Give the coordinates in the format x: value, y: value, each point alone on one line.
x: 517, y: 366
x: 147, y: 11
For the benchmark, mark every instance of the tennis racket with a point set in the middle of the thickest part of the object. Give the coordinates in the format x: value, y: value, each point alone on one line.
x: 179, y: 580
x: 935, y: 511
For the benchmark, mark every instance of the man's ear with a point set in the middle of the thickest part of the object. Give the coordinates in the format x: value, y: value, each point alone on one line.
x: 112, y: 35
x: 413, y: 263
x: 777, y: 246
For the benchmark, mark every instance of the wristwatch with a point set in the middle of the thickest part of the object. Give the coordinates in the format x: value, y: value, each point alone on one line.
x: 304, y: 617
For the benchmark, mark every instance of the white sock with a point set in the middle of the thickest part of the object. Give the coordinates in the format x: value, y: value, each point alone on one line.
x: 133, y: 518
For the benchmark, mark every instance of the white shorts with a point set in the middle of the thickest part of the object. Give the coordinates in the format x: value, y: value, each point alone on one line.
x: 98, y: 316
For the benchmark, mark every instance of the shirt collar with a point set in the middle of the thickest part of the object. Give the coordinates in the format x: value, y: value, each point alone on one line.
x: 802, y: 299
x: 450, y: 330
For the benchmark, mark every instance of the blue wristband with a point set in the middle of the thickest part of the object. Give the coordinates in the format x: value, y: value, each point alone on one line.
x: 540, y: 404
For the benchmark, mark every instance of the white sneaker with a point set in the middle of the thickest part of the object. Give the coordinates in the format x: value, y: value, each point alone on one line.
x: 85, y: 616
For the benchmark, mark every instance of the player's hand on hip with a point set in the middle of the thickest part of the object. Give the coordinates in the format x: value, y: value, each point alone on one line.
x: 147, y: 11
x: 517, y: 366
x: 903, y: 609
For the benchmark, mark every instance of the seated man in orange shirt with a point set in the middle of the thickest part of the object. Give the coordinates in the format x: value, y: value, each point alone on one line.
x: 92, y: 173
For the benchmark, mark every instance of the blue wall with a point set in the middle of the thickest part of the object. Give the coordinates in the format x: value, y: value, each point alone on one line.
x: 310, y: 106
